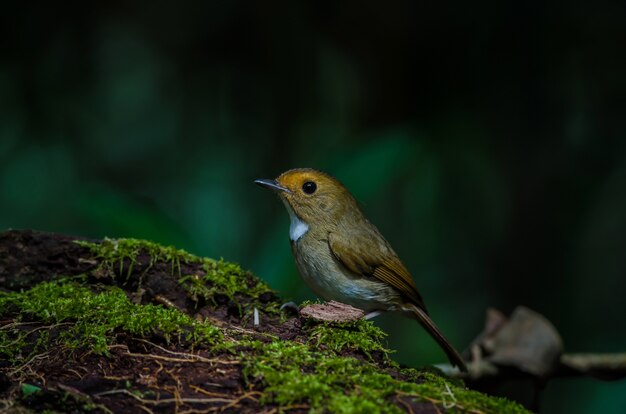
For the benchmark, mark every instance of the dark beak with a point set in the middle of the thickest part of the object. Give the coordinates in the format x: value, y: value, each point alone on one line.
x: 272, y: 185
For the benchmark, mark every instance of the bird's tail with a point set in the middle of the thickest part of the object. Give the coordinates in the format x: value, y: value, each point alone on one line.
x: 424, y: 320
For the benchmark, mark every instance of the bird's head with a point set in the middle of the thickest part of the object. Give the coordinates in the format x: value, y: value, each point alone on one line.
x: 311, y: 196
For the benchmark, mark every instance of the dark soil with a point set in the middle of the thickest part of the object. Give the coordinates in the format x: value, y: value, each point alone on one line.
x: 164, y: 377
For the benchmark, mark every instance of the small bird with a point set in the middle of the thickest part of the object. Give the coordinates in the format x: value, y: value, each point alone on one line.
x: 342, y: 256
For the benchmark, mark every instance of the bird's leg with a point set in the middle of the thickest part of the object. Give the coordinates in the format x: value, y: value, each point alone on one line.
x: 372, y: 315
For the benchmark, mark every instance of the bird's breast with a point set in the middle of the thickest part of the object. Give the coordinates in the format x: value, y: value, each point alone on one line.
x: 329, y: 280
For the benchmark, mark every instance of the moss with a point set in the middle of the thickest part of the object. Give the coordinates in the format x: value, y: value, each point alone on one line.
x: 213, y: 279
x: 96, y: 317
x: 361, y: 336
x: 294, y: 373
x: 222, y: 278
x: 120, y: 255
x: 315, y: 373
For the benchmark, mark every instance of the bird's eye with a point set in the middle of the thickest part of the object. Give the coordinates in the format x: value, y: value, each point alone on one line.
x: 309, y: 187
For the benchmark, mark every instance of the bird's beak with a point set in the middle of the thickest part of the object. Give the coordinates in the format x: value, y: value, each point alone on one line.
x: 272, y: 185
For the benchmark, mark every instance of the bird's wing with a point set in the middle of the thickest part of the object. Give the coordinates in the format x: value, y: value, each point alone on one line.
x: 363, y: 254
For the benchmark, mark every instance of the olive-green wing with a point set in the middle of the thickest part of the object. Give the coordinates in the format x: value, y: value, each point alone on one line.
x: 365, y: 254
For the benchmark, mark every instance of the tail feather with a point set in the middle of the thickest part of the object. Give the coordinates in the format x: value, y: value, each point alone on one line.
x: 424, y: 320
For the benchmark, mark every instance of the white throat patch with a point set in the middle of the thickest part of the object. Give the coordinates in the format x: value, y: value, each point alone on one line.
x: 297, y: 228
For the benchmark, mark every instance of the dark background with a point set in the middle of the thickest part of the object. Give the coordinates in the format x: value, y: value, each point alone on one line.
x: 486, y: 141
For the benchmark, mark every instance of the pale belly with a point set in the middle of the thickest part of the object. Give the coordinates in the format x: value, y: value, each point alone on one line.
x: 330, y: 281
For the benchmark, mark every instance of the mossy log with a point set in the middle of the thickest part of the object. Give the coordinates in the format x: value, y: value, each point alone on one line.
x: 130, y: 326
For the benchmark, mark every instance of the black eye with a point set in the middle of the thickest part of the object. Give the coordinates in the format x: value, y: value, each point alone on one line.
x: 309, y: 187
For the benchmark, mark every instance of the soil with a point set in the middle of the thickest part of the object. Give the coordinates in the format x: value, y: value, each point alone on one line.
x: 174, y: 377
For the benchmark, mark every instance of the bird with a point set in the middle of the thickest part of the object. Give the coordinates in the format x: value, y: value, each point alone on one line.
x: 343, y: 257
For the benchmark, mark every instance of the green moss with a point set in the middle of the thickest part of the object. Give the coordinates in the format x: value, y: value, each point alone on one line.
x: 216, y: 278
x: 96, y: 317
x: 360, y: 335
x: 120, y: 255
x: 296, y: 374
x: 222, y: 278
x: 314, y: 373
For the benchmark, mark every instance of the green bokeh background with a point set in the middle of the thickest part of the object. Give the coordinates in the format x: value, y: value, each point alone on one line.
x: 485, y: 140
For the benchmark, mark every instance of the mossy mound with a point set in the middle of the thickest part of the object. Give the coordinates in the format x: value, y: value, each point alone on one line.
x: 133, y: 326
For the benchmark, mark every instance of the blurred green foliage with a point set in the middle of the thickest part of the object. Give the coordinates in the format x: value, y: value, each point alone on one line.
x: 487, y: 142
